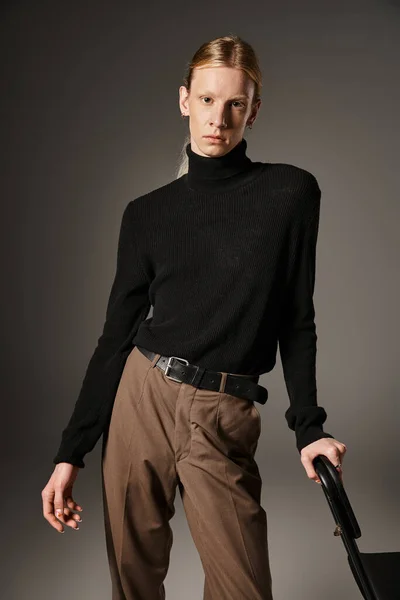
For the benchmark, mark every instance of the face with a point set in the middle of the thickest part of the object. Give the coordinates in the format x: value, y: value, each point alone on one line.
x: 219, y: 103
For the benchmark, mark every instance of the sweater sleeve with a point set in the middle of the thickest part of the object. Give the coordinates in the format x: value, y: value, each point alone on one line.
x: 298, y: 337
x: 128, y: 305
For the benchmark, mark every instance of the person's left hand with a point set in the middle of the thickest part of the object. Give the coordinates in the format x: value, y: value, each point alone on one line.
x: 329, y: 447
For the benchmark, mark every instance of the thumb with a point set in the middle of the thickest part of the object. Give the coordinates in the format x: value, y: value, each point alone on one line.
x: 59, y: 505
x: 309, y: 467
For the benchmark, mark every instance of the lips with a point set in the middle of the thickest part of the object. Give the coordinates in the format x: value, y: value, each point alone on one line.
x: 214, y: 137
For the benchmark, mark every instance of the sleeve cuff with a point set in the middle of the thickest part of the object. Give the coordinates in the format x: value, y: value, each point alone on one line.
x: 73, y: 460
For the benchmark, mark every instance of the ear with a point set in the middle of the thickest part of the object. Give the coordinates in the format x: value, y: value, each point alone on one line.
x: 254, y: 110
x: 183, y: 100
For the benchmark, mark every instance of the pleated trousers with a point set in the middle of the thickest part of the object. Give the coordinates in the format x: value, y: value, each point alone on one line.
x: 165, y: 435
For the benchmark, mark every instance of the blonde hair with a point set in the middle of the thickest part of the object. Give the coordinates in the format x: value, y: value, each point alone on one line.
x: 228, y: 51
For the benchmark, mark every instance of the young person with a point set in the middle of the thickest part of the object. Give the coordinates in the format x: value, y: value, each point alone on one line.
x: 225, y: 254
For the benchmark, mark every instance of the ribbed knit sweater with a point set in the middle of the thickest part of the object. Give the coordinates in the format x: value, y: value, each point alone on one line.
x: 226, y: 256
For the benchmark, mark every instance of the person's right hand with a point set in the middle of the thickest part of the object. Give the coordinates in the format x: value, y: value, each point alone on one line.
x: 58, y: 502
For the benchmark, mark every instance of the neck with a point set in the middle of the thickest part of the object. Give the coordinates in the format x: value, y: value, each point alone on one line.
x: 219, y: 172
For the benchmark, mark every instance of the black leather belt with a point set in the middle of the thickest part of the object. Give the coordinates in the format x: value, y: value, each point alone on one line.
x: 180, y: 370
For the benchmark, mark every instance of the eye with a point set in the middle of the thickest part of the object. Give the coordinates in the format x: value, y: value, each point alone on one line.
x: 241, y: 105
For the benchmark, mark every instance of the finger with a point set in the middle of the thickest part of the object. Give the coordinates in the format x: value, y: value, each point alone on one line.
x: 68, y: 519
x: 62, y: 513
x: 48, y: 511
x: 71, y: 506
x: 59, y: 504
x: 70, y: 516
x: 342, y: 449
x: 76, y: 506
x: 337, y: 462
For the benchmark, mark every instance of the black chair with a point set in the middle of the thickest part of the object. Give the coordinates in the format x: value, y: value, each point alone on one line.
x: 377, y: 574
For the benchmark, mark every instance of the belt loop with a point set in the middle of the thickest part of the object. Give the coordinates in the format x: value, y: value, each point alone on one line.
x: 155, y: 359
x: 223, y: 381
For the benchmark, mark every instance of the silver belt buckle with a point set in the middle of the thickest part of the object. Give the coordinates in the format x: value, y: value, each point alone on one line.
x: 169, y: 367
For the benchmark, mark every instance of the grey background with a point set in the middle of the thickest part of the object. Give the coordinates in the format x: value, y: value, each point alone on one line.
x: 90, y: 121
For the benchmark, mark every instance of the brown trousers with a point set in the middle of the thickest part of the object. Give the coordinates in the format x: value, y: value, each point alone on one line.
x: 165, y: 434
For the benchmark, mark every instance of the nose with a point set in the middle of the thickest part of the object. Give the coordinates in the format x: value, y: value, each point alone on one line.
x: 219, y: 119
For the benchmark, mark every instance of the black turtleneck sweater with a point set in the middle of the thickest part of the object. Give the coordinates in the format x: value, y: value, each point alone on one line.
x: 226, y: 256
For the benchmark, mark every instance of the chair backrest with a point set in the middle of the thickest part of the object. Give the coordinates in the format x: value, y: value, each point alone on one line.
x: 347, y: 526
x: 336, y: 496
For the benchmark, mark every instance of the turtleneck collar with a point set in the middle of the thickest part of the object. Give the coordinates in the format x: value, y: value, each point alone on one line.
x: 221, y: 172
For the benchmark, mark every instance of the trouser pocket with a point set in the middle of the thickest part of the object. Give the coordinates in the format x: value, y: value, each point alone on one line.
x: 238, y: 423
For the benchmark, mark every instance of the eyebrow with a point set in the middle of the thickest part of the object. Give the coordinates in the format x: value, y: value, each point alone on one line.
x: 241, y: 96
